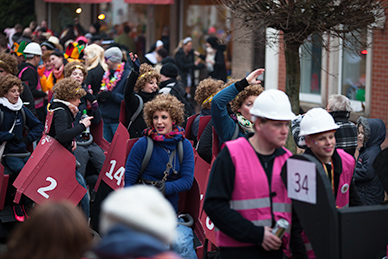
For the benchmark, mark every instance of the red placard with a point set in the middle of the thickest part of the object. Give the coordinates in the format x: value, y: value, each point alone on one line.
x: 113, y: 169
x: 49, y: 174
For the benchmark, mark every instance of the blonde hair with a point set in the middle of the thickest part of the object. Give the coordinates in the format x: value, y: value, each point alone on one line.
x: 95, y: 55
x: 206, y: 90
x: 146, y: 74
x: 164, y: 102
x: 180, y: 45
x: 68, y: 89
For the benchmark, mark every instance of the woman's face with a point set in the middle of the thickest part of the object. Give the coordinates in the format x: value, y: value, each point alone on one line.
x: 360, y: 135
x: 162, y: 122
x: 188, y: 47
x: 86, y: 58
x: 13, y: 94
x: 75, y: 101
x: 57, y: 62
x: 77, y: 75
x: 209, y: 48
x: 150, y: 86
x: 246, y: 106
x: 3, y: 72
x: 48, y: 65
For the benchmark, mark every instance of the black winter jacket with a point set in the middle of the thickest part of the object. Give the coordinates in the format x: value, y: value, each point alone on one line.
x: 94, y: 78
x: 62, y: 125
x: 30, y: 77
x: 368, y: 184
x: 186, y: 65
x: 177, y: 90
x: 131, y: 104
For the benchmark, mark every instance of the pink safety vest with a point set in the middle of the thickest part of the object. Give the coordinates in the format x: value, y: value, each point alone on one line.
x: 342, y: 199
x: 39, y: 101
x: 251, y: 194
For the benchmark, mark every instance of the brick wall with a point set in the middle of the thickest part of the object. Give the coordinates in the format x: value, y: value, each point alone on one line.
x: 379, y: 90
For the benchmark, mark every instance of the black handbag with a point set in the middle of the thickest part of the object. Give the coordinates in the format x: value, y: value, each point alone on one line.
x: 161, y: 184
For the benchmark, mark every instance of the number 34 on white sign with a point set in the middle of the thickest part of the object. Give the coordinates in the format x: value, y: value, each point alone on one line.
x: 301, y: 181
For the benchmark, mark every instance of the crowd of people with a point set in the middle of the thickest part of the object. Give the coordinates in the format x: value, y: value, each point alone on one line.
x: 82, y: 82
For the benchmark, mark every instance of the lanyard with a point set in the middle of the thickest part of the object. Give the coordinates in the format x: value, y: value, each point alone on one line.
x: 331, y: 173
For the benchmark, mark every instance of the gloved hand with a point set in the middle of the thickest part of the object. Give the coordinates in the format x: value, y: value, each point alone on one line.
x: 17, y: 139
x: 90, y: 97
x: 104, y: 96
x: 135, y: 62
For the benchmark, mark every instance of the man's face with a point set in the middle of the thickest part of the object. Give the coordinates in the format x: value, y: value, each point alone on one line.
x: 322, y: 145
x: 273, y: 132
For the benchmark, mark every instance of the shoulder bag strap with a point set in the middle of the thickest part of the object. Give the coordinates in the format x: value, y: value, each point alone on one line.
x: 147, y: 156
x: 137, y: 112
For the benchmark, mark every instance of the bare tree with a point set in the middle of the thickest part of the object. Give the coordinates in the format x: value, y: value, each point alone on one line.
x: 297, y: 20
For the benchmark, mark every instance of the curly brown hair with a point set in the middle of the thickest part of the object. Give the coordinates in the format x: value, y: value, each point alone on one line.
x: 68, y: 89
x: 205, y: 89
x: 164, y: 102
x: 9, y: 63
x: 146, y: 74
x: 71, y: 66
x: 9, y: 81
x: 244, y: 94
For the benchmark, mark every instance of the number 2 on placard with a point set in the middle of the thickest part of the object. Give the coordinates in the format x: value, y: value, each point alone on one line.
x: 42, y: 191
x: 119, y: 173
x: 304, y: 185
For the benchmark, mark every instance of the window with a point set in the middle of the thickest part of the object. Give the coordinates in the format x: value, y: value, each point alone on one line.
x: 353, y: 76
x: 310, y: 70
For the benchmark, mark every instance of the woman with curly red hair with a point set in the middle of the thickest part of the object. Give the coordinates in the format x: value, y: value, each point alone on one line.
x: 163, y: 114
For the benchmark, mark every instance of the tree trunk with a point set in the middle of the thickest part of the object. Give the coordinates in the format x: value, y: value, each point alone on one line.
x: 292, y: 84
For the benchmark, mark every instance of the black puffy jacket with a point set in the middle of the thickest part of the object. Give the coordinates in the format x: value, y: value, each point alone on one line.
x: 368, y: 184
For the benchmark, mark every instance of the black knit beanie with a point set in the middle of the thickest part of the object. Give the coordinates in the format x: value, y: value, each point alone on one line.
x: 169, y: 70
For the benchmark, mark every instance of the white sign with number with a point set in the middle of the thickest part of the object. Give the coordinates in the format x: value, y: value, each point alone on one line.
x: 301, y: 180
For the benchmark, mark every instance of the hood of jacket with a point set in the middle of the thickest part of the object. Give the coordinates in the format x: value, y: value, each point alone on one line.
x: 125, y: 242
x: 374, y: 131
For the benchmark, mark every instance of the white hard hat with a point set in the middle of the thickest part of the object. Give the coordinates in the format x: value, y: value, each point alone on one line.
x: 33, y: 48
x: 272, y: 104
x: 315, y: 121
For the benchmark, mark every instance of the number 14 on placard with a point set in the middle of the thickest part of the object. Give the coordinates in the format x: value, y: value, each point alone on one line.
x: 301, y: 181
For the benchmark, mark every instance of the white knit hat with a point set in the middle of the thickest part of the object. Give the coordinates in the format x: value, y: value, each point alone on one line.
x: 141, y: 207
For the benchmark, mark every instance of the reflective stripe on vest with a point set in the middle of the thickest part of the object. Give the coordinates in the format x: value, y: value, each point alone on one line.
x: 259, y: 203
x: 251, y: 193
